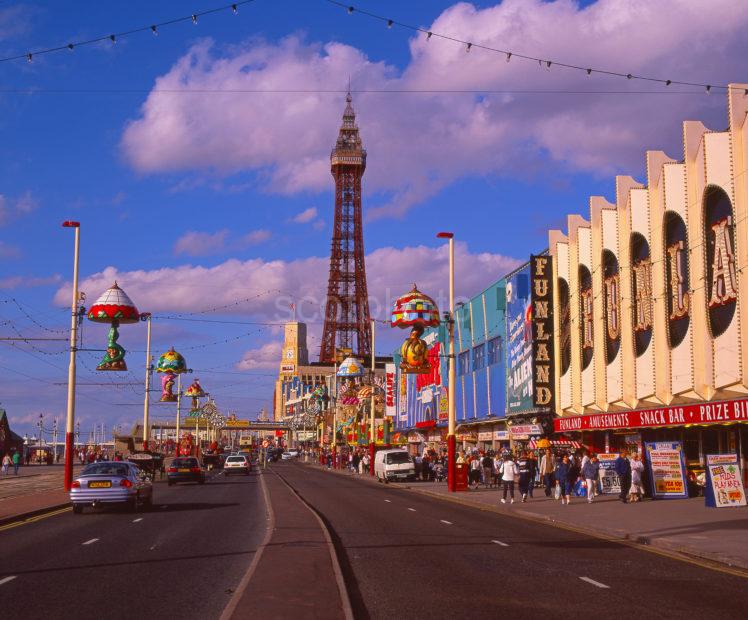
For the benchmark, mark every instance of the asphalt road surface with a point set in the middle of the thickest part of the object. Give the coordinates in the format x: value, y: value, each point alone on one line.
x: 183, y: 559
x: 408, y: 555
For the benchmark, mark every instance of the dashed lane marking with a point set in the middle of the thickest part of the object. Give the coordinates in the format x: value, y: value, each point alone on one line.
x: 498, y: 542
x: 412, y: 509
x: 137, y: 520
x: 389, y: 501
x: 90, y: 542
x: 7, y: 579
x: 597, y: 584
x: 445, y: 521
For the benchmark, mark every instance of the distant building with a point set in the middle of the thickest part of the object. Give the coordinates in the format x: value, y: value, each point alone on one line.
x: 9, y: 441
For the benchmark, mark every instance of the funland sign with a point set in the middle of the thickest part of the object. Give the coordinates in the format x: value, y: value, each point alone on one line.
x: 702, y: 413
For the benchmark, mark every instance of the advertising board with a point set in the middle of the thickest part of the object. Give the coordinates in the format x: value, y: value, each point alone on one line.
x: 667, y: 469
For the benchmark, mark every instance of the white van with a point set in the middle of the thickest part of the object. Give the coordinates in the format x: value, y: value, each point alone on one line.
x: 394, y: 465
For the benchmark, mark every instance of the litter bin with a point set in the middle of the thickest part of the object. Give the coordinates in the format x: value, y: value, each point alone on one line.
x: 461, y: 477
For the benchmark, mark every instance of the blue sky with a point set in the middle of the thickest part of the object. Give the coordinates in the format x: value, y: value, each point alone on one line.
x: 193, y: 200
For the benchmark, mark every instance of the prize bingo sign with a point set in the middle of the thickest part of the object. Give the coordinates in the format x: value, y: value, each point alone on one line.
x: 667, y: 469
x: 724, y: 482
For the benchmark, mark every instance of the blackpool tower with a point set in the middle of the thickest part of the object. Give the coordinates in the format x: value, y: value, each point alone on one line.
x: 347, y: 307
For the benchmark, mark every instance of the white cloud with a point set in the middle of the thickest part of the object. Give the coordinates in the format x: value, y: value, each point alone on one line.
x: 13, y: 282
x: 11, y: 209
x: 200, y: 243
x: 256, y: 237
x: 271, y: 286
x: 9, y: 251
x: 306, y: 216
x: 420, y: 142
x: 267, y: 357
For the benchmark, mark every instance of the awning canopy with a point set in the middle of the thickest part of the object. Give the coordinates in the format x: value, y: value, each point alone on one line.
x: 558, y: 443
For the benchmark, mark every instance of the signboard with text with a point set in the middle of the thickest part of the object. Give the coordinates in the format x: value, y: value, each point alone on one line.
x: 724, y: 482
x: 609, y: 480
x: 667, y: 469
x: 519, y: 363
x: 702, y: 413
x: 541, y: 295
x: 389, y: 389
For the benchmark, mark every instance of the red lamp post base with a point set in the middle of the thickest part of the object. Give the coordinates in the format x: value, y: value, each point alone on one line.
x: 68, y: 460
x: 451, y: 463
x: 372, y: 452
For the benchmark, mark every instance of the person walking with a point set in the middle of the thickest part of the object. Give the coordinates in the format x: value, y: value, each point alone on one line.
x: 508, y: 471
x: 637, y: 469
x: 547, y: 467
x: 16, y: 462
x: 475, y: 471
x: 367, y: 462
x: 590, y: 472
x: 487, y: 463
x: 524, y: 471
x: 623, y: 469
x: 6, y: 464
x: 533, y: 462
x: 563, y: 470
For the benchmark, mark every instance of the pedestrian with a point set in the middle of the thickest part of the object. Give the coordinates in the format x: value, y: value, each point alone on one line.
x: 590, y: 472
x: 637, y: 469
x: 16, y: 462
x: 487, y: 463
x: 475, y: 470
x: 508, y: 471
x: 562, y: 479
x: 533, y: 462
x: 355, y: 462
x: 547, y: 468
x: 623, y: 469
x: 524, y: 469
x: 6, y: 464
x: 367, y: 461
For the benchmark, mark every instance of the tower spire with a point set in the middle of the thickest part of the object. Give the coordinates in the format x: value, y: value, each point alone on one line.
x: 347, y: 307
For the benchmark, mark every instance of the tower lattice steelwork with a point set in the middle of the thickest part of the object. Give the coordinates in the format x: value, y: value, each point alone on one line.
x: 347, y: 307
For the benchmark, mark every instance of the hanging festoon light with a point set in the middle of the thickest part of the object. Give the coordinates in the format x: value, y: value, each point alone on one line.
x: 170, y: 364
x: 116, y: 308
x: 417, y: 311
x: 195, y: 392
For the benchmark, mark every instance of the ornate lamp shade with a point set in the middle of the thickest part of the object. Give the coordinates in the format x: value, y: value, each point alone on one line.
x: 351, y: 368
x: 195, y: 390
x: 365, y: 392
x: 415, y: 309
x: 114, y: 305
x: 171, y: 362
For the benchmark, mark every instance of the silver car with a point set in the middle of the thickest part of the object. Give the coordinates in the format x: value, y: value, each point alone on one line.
x: 111, y: 482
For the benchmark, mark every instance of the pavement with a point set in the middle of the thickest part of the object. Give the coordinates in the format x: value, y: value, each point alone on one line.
x: 406, y: 553
x: 185, y: 558
x: 683, y: 526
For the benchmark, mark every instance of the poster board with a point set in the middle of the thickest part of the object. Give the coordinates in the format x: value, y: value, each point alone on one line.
x: 609, y: 481
x: 724, y: 482
x: 667, y: 469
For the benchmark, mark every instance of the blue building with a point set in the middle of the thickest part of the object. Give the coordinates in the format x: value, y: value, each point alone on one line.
x: 480, y: 346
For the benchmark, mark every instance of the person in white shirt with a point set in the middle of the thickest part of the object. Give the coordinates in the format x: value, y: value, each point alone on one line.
x: 508, y: 471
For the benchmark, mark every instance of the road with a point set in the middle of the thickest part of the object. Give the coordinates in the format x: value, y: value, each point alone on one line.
x: 182, y: 559
x: 406, y: 554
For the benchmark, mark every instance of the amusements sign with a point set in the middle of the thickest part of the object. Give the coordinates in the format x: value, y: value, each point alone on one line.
x: 519, y: 367
x: 541, y: 294
x: 724, y: 483
x: 609, y: 480
x: 667, y: 469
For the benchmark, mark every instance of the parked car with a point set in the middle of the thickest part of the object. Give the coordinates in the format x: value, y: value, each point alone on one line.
x: 185, y: 469
x: 291, y: 454
x: 111, y: 482
x: 237, y: 464
x: 394, y: 465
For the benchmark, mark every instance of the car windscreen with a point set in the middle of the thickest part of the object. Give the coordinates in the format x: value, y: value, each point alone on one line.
x: 236, y: 459
x: 106, y: 469
x: 397, y: 458
x: 184, y: 463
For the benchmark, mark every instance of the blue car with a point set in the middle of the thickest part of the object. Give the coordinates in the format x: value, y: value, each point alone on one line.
x: 111, y: 482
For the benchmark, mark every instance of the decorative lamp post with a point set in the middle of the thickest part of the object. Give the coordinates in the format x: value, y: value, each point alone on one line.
x: 350, y: 369
x: 70, y: 418
x: 172, y: 365
x: 116, y: 308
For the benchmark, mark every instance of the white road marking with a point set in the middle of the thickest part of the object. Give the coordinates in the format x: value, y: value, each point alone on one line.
x: 498, y: 542
x: 445, y: 521
x: 90, y: 542
x: 7, y: 579
x: 412, y: 509
x: 595, y: 583
x: 389, y: 501
x: 137, y: 520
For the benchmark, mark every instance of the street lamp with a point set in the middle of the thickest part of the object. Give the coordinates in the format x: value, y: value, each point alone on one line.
x: 69, y: 424
x: 451, y: 439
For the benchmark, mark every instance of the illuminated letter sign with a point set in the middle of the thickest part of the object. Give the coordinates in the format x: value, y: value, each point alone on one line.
x: 643, y: 295
x: 612, y: 307
x: 679, y: 298
x: 723, y: 265
x: 541, y: 272
x: 587, y: 340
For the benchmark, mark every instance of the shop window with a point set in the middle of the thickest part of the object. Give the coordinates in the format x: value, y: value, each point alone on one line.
x: 677, y: 278
x: 611, y: 305
x: 721, y: 281
x: 586, y: 318
x: 479, y: 357
x: 641, y: 292
x: 463, y: 363
x: 564, y: 323
x: 495, y: 350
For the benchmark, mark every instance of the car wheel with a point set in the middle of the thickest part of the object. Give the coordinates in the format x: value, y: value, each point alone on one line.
x: 77, y: 508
